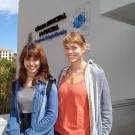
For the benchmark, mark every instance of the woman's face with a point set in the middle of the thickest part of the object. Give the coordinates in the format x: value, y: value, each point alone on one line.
x: 32, y: 65
x: 73, y: 52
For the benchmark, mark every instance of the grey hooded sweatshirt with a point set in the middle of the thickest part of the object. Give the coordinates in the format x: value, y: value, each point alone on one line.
x: 100, y: 106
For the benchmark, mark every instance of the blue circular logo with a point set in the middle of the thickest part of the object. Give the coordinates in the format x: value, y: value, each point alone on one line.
x: 79, y: 19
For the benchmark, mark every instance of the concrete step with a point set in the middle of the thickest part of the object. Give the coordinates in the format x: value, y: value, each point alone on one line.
x: 3, y: 123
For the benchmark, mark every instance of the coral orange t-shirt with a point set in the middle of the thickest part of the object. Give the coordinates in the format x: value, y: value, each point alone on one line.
x: 73, y: 118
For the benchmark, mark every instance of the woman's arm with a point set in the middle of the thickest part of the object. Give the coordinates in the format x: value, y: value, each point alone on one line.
x: 48, y: 121
x: 13, y: 127
x: 106, y: 108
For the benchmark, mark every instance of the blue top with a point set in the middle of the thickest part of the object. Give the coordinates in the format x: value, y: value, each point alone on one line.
x: 44, y: 111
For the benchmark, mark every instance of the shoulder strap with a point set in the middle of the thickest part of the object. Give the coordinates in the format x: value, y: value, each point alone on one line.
x: 49, y: 85
x: 13, y: 87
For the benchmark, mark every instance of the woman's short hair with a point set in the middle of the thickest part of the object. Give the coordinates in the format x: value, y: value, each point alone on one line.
x: 75, y: 37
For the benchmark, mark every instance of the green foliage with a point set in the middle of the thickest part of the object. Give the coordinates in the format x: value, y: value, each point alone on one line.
x: 7, y: 74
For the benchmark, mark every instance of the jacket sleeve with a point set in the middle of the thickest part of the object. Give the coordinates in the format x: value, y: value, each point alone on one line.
x: 50, y: 117
x: 13, y: 127
x: 106, y: 107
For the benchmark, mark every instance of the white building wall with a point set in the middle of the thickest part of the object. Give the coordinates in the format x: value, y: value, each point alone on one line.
x: 112, y: 42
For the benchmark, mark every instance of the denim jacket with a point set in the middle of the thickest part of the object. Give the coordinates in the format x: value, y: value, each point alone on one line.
x: 42, y: 126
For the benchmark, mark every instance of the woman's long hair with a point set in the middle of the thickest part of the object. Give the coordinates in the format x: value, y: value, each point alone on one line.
x: 35, y: 51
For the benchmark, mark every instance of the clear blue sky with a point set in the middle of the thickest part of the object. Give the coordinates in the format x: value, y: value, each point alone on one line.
x: 9, y: 24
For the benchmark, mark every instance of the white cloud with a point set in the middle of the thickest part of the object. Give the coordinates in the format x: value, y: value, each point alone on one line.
x: 9, y: 7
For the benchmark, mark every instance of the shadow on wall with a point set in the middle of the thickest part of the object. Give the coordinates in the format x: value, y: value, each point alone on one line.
x: 123, y: 117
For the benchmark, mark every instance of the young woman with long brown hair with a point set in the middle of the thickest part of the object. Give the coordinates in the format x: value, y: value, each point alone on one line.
x: 33, y: 112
